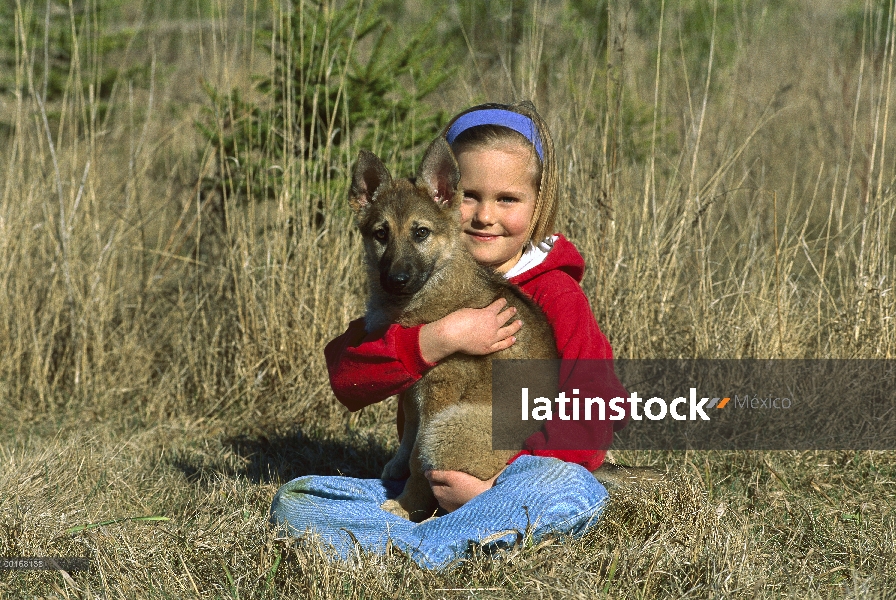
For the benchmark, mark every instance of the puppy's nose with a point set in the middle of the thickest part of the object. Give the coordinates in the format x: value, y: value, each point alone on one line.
x: 396, y: 281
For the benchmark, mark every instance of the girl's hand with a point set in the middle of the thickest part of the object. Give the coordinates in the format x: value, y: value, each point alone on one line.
x: 453, y: 489
x: 475, y: 331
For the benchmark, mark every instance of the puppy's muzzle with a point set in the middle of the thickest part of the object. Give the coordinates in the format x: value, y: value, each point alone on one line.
x: 396, y: 282
x: 399, y: 281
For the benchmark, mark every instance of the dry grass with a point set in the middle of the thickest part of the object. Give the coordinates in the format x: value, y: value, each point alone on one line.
x: 161, y: 345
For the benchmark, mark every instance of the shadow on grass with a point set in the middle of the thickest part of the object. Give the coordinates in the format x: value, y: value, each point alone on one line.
x: 277, y: 459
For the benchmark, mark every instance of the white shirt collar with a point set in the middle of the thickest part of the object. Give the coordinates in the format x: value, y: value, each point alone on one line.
x: 532, y: 257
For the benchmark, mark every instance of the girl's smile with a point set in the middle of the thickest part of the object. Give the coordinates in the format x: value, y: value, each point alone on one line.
x: 499, y: 201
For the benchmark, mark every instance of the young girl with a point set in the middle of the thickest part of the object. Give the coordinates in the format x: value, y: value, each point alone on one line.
x: 509, y: 178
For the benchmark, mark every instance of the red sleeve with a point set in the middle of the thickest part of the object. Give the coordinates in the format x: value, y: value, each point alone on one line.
x: 366, y: 368
x: 586, y: 366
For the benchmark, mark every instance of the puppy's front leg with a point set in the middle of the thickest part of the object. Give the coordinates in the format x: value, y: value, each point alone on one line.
x: 398, y: 468
x: 416, y: 502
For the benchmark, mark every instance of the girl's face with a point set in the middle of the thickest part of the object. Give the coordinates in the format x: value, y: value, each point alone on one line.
x: 499, y: 201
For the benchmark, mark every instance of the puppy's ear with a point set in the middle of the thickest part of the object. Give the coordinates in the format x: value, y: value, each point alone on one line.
x: 439, y: 172
x: 368, y: 175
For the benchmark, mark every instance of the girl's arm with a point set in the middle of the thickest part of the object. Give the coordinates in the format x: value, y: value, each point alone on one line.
x: 366, y: 368
x: 586, y: 366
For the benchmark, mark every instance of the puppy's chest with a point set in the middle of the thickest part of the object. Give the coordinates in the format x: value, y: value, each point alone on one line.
x: 458, y: 378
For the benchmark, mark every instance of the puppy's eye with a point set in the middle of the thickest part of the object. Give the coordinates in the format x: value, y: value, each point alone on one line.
x: 421, y: 233
x: 382, y: 234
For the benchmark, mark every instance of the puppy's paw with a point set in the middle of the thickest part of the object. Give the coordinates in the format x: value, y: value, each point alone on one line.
x: 396, y: 469
x: 395, y: 508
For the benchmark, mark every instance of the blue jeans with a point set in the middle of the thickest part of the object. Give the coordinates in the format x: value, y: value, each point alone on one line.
x: 534, y: 496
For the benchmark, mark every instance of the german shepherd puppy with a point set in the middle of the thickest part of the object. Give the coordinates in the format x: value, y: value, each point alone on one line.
x: 419, y: 272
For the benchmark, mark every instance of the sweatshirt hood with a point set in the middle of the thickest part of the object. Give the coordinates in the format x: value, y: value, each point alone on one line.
x: 563, y: 256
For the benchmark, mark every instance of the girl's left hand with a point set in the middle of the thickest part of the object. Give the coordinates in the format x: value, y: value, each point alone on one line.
x: 453, y: 489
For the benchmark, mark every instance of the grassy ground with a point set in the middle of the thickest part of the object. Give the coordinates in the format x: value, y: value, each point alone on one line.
x: 727, y: 171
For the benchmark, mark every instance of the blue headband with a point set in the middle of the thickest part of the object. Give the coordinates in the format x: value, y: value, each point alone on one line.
x: 497, y: 116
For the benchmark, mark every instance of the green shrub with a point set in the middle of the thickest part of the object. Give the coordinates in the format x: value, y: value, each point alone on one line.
x: 65, y: 48
x: 322, y: 99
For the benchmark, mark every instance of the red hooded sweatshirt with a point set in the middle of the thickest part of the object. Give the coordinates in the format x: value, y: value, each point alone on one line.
x: 367, y: 368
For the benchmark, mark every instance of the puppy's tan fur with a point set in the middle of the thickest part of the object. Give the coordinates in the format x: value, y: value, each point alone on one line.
x: 419, y: 272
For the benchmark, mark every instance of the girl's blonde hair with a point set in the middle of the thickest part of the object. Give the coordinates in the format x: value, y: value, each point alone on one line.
x: 492, y: 135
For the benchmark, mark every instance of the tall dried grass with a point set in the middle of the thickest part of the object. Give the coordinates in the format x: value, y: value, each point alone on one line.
x: 161, y: 342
